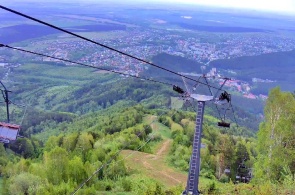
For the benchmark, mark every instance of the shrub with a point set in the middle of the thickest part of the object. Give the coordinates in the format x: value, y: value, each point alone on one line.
x: 212, y: 187
x: 224, y: 178
x: 127, y: 185
x: 207, y: 173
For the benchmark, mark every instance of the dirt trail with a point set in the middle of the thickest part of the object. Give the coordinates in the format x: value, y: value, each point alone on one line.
x: 155, y: 165
x: 164, y: 150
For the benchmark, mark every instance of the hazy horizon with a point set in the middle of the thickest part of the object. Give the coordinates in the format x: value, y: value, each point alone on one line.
x: 286, y: 7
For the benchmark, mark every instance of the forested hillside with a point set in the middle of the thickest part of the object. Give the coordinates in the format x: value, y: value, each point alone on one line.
x: 104, y: 124
x: 47, y: 164
x: 277, y: 67
x: 106, y: 97
x: 85, y: 145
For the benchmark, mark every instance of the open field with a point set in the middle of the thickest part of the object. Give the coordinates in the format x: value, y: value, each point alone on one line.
x: 95, y: 19
x: 17, y: 33
x: 72, y: 75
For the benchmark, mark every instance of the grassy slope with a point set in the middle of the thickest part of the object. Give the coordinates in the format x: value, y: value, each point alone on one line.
x: 156, y: 165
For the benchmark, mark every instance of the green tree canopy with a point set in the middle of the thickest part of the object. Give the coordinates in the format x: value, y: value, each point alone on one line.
x: 276, y: 137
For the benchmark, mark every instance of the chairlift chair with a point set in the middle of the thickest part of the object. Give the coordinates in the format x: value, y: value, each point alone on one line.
x: 8, y: 132
x: 178, y: 89
x: 227, y: 171
x: 224, y: 98
x: 223, y: 124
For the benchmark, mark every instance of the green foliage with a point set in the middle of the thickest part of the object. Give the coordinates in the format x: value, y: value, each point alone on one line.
x: 56, y: 162
x: 37, y: 121
x: 98, y: 119
x: 207, y: 173
x: 276, y: 138
x: 222, y: 151
x: 76, y: 170
x: 224, y: 178
x: 24, y: 147
x: 67, y: 160
x: 212, y: 187
x: 26, y: 183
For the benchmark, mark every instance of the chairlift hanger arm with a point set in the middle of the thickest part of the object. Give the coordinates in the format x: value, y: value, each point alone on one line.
x: 210, y: 90
x: 220, y: 88
x: 3, y: 86
x: 205, y: 78
x: 185, y: 84
x: 5, y: 89
x: 234, y: 114
x: 6, y: 99
x: 197, y: 84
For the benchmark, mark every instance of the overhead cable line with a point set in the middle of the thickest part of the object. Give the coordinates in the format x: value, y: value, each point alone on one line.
x: 87, y: 65
x: 112, y: 71
x: 213, y: 95
x: 102, y: 45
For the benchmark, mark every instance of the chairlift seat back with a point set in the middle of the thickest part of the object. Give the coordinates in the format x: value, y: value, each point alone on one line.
x: 8, y: 131
x: 223, y: 124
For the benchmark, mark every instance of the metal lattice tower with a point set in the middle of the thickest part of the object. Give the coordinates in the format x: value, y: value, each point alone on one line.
x: 194, y: 170
x: 192, y: 187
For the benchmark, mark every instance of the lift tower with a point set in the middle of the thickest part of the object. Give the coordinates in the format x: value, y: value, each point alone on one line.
x: 195, y: 160
x: 194, y: 170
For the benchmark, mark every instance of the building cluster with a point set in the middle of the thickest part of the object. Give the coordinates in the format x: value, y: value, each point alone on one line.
x: 145, y: 44
x: 242, y: 87
x: 232, y: 46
